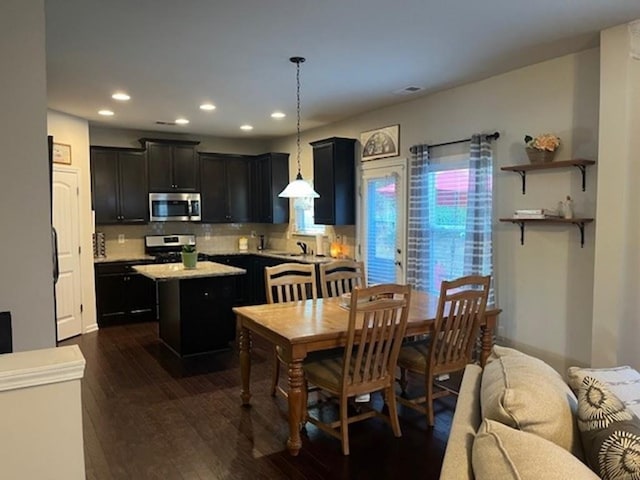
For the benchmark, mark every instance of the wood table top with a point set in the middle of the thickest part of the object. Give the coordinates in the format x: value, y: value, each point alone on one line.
x: 324, y: 318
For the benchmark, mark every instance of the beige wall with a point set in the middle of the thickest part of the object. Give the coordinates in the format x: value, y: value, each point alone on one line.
x: 26, y: 270
x: 545, y: 286
x: 616, y: 326
x: 74, y: 131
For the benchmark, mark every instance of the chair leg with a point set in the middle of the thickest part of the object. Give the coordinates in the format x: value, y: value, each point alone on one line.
x: 344, y: 425
x: 393, y: 411
x: 403, y: 380
x: 275, y: 374
x: 429, y: 400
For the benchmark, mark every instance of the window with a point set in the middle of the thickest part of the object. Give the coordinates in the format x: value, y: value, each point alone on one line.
x: 450, y: 221
x: 303, y: 213
x: 446, y: 226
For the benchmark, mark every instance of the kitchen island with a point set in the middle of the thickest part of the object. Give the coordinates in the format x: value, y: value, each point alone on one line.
x: 194, y: 305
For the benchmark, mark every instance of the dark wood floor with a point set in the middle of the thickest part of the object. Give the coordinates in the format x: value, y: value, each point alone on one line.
x: 149, y: 415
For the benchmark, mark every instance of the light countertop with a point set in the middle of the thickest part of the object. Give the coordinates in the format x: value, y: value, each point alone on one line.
x: 176, y: 271
x: 292, y: 257
x: 130, y: 257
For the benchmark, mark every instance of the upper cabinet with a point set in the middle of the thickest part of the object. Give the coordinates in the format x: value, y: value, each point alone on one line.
x: 269, y: 176
x: 118, y: 180
x: 225, y: 181
x: 173, y: 165
x: 334, y: 180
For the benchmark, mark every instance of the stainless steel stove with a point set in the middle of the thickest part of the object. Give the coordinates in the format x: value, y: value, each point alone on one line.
x: 167, y: 248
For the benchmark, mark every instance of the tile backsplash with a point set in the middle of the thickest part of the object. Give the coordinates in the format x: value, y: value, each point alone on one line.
x: 216, y: 237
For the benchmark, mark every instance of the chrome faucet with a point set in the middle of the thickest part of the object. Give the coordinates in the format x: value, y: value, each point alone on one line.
x: 304, y: 247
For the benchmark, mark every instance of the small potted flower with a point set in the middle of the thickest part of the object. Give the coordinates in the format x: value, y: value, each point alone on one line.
x: 189, y: 256
x: 542, y: 148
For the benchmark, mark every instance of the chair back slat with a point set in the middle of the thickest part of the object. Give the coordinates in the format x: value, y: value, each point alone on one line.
x: 461, y: 305
x: 290, y: 282
x: 341, y: 276
x: 377, y: 322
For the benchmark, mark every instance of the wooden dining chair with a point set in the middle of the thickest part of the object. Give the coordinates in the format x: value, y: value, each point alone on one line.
x: 449, y: 348
x: 377, y: 323
x: 288, y: 282
x: 341, y: 276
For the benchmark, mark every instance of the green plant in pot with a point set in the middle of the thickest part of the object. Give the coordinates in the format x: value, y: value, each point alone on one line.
x: 189, y: 256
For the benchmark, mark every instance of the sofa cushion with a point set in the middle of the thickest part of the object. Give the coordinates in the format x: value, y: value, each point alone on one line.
x: 623, y: 382
x: 501, y: 452
x: 525, y: 393
x: 610, y: 432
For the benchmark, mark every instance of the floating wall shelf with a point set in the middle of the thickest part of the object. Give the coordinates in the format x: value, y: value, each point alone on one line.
x: 578, y: 222
x: 579, y: 163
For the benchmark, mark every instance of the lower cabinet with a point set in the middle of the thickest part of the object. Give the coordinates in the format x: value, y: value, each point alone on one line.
x: 195, y: 314
x: 123, y: 295
x: 243, y: 283
x: 250, y: 288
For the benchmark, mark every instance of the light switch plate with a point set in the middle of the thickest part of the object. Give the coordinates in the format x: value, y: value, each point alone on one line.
x: 121, y: 238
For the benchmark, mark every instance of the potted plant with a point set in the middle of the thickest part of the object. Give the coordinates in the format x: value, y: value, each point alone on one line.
x: 189, y: 256
x: 541, y: 148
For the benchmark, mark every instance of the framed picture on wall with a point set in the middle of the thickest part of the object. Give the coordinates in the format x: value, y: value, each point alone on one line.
x: 62, y: 153
x: 380, y: 143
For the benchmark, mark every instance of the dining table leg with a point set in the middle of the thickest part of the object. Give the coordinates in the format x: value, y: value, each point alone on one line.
x: 486, y: 338
x: 245, y: 363
x: 295, y: 398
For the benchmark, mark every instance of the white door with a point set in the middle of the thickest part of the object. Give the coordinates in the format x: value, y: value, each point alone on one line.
x: 382, y: 220
x: 66, y: 222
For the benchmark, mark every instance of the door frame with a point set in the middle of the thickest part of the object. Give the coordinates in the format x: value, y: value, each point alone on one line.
x: 399, y: 164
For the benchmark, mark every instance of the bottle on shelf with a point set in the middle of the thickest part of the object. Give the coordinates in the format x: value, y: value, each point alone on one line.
x: 567, y: 208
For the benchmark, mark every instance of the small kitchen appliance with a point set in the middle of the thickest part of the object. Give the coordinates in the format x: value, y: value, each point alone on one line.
x: 174, y: 207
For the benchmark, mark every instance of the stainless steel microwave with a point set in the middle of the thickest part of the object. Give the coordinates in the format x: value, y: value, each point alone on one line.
x: 174, y: 207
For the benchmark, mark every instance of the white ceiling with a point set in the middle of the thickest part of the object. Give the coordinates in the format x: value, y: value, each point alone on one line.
x: 173, y: 55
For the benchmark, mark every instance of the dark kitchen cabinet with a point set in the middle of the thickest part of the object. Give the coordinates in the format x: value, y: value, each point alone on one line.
x: 225, y: 188
x: 123, y: 295
x: 118, y: 185
x: 244, y: 283
x: 334, y: 180
x: 173, y: 165
x: 270, y: 175
x: 196, y: 315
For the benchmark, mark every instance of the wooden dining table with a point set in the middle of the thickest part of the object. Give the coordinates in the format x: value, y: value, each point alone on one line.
x: 312, y: 325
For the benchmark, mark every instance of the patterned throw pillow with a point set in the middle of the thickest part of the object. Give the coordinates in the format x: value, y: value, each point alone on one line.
x: 623, y: 382
x: 610, y: 432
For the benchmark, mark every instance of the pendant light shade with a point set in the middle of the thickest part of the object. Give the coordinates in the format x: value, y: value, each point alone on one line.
x: 299, y: 187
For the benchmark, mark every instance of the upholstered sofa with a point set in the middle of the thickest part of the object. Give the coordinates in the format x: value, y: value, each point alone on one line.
x: 518, y: 419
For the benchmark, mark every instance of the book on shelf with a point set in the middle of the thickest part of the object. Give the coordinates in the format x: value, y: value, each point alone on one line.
x: 537, y: 211
x: 534, y: 216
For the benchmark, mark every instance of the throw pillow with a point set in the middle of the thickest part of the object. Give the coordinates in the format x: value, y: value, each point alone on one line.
x: 501, y: 452
x: 610, y: 432
x: 524, y: 392
x: 623, y: 382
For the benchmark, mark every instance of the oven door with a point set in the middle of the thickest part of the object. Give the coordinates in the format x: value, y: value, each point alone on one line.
x: 174, y: 207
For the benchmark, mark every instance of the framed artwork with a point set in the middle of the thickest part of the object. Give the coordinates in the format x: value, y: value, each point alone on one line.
x: 62, y: 153
x: 380, y: 143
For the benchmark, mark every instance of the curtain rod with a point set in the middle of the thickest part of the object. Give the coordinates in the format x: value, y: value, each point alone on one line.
x: 492, y: 136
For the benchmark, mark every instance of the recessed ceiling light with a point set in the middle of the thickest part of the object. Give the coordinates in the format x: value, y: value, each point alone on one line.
x: 278, y: 115
x: 246, y: 128
x: 182, y: 121
x: 120, y: 96
x: 207, y: 106
x: 106, y: 113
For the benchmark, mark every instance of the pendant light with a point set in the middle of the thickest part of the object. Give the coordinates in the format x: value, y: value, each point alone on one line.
x: 299, y: 187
